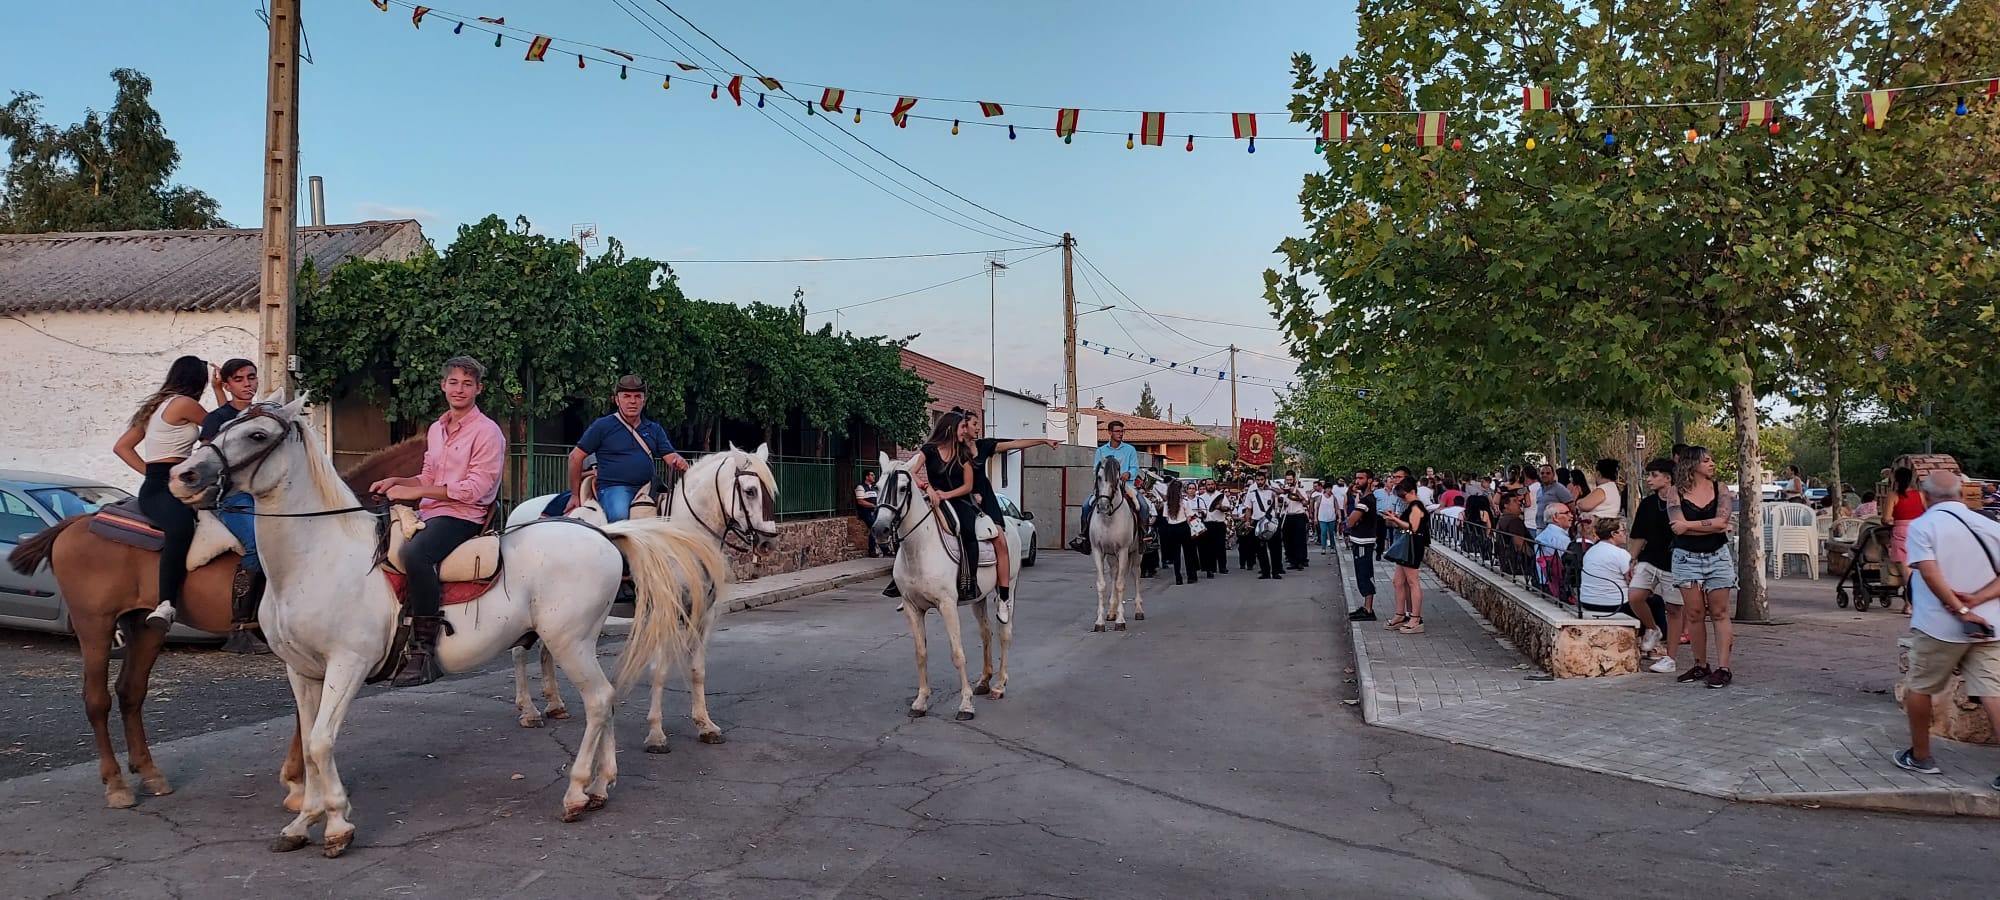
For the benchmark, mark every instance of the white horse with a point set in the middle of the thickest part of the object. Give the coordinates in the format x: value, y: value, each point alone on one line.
x: 1115, y: 541
x: 701, y: 495
x: 927, y: 572
x: 332, y: 617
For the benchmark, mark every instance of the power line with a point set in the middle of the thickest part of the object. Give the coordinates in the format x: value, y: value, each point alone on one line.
x: 921, y: 289
x: 820, y: 259
x: 1138, y: 306
x: 1214, y: 322
x: 976, y: 227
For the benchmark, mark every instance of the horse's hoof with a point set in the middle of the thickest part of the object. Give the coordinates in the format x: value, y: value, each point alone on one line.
x: 286, y: 843
x: 558, y: 713
x: 1118, y: 627
x: 999, y: 694
x: 1094, y: 629
x: 120, y: 799
x: 531, y: 721
x: 596, y: 802
x: 1139, y: 616
x: 658, y: 748
x: 964, y: 715
x: 158, y: 787
x: 981, y: 689
x: 711, y: 737
x: 336, y: 844
x: 573, y: 813
x: 916, y: 713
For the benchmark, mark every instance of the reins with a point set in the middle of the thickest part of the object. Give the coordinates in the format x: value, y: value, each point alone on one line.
x: 746, y: 535
x: 290, y: 430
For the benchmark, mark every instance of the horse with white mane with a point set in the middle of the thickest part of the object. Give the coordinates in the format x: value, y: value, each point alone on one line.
x: 702, y: 495
x: 331, y: 616
x: 927, y: 573
x: 1115, y: 541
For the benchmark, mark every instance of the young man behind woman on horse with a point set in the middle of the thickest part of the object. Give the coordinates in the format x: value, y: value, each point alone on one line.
x: 455, y: 493
x: 237, y: 380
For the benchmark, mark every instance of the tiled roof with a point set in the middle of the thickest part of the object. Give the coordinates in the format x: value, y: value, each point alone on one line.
x: 172, y: 271
x: 1139, y: 429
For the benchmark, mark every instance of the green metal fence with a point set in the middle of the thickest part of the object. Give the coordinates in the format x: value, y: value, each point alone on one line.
x: 805, y: 486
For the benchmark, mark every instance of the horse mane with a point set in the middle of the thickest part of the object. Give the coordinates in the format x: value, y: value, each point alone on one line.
x: 395, y: 460
x: 707, y: 464
x: 333, y: 491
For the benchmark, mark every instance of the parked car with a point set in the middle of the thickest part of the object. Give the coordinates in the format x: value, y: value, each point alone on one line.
x: 1024, y: 525
x: 30, y: 502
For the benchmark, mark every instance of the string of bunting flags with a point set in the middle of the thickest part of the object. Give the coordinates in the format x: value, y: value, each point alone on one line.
x: 1332, y: 127
x: 1144, y: 358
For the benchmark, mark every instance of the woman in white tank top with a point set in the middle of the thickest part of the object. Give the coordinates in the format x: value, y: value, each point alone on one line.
x: 161, y: 434
x: 1606, y: 500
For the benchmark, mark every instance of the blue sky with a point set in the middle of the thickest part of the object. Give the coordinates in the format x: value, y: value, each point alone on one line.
x: 446, y: 129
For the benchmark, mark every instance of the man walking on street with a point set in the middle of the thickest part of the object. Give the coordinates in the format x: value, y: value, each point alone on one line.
x: 1295, y: 525
x: 1956, y: 553
x: 1261, y: 513
x: 1364, y: 530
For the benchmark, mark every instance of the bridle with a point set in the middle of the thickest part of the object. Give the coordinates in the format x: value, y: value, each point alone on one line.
x: 899, y: 490
x: 1116, y: 498
x: 730, y: 507
x: 289, y: 430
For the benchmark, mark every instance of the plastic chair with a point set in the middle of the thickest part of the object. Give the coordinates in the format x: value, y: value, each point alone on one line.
x: 1795, y: 540
x: 1780, y: 514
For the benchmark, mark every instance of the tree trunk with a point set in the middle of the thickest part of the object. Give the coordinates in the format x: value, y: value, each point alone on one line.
x: 1751, y: 603
x: 1833, y: 451
x: 1635, y: 469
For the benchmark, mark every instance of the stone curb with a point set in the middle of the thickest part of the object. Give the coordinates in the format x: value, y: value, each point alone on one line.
x: 1919, y: 802
x: 751, y: 600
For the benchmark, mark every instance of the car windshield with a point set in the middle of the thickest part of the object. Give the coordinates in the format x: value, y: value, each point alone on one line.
x: 1007, y: 506
x: 75, y: 501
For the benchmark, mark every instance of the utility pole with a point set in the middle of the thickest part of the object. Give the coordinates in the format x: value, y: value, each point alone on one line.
x: 277, y: 356
x: 996, y: 266
x: 1235, y: 424
x: 1069, y: 329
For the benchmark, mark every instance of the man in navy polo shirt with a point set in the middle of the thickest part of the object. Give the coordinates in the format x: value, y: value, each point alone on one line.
x: 626, y: 443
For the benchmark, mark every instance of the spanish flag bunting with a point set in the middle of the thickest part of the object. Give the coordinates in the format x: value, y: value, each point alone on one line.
x: 1329, y: 121
x: 1245, y: 123
x: 620, y: 53
x: 499, y: 21
x: 1430, y: 129
x: 1875, y: 107
x: 1534, y: 98
x: 736, y: 89
x: 989, y: 110
x: 1756, y: 112
x: 417, y: 16
x: 538, y: 48
x: 831, y: 98
x: 1065, y: 122
x: 1993, y: 88
x: 687, y: 68
x: 770, y: 84
x: 382, y: 5
x: 1152, y: 128
x: 901, y: 114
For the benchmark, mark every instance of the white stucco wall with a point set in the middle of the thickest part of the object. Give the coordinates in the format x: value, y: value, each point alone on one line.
x: 1012, y: 418
x: 69, y: 381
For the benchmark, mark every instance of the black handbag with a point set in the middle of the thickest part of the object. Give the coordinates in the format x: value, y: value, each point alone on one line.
x: 1400, y: 551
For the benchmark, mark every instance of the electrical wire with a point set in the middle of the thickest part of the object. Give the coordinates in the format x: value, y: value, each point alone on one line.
x: 821, y: 259
x: 922, y: 289
x: 1141, y: 308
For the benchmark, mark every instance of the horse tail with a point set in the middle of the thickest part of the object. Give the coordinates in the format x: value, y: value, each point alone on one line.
x: 33, y: 552
x: 677, y: 572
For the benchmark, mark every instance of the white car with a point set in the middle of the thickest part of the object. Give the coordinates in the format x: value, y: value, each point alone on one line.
x: 1021, y: 529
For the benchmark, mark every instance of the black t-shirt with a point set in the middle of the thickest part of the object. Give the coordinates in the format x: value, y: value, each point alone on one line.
x: 1370, y: 526
x: 223, y: 415
x: 943, y: 476
x: 1650, y: 524
x: 982, y: 450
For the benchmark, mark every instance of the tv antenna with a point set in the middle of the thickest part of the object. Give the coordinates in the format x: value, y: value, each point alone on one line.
x: 584, y: 234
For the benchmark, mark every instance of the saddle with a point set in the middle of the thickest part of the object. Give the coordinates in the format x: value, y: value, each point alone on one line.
x: 645, y: 504
x: 125, y: 523
x: 468, y: 573
x: 984, y: 528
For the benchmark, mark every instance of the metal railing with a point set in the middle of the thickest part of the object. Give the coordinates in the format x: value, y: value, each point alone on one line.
x: 806, y: 486
x: 1545, y: 570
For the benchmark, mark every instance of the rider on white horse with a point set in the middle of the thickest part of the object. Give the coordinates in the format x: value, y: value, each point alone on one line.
x: 454, y: 494
x: 625, y: 443
x: 1128, y: 463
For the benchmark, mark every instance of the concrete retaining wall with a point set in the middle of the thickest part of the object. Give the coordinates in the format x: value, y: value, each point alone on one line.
x: 1566, y: 646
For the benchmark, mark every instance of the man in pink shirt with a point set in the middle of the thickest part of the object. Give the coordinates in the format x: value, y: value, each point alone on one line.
x: 454, y: 494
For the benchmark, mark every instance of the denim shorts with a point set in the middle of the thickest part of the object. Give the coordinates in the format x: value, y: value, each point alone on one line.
x: 1714, y: 571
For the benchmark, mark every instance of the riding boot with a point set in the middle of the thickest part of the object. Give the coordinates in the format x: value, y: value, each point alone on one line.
x: 420, y: 665
x: 244, y: 594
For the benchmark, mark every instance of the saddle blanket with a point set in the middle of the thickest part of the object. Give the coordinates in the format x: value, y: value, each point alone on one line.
x: 125, y: 523
x: 455, y: 592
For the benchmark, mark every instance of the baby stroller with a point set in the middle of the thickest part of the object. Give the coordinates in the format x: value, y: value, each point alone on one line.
x: 1858, y: 552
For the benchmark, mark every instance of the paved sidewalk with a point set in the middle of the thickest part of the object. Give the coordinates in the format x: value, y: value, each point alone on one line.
x: 742, y: 595
x: 1810, y: 721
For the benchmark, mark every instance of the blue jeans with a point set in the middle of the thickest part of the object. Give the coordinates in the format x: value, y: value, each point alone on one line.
x: 244, y: 526
x: 1327, y: 535
x: 616, y: 500
x: 1364, y: 570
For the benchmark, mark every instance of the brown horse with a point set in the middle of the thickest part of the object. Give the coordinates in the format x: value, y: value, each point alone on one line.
x: 103, y: 580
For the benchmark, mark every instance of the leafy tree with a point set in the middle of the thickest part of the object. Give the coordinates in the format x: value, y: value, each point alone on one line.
x: 1620, y: 265
x: 556, y: 329
x: 1340, y: 431
x: 112, y: 171
x: 1148, y: 407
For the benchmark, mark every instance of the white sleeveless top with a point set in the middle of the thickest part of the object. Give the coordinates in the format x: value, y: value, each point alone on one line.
x: 166, y: 441
x: 1613, y: 499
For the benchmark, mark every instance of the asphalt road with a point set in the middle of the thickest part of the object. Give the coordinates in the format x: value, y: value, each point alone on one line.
x: 1205, y: 753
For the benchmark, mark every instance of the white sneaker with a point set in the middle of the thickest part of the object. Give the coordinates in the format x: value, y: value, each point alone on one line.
x: 162, y: 617
x: 1003, y: 609
x: 1650, y: 641
x: 1665, y: 665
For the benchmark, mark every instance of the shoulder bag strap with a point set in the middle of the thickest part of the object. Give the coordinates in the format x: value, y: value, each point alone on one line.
x: 1990, y: 563
x: 634, y: 432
